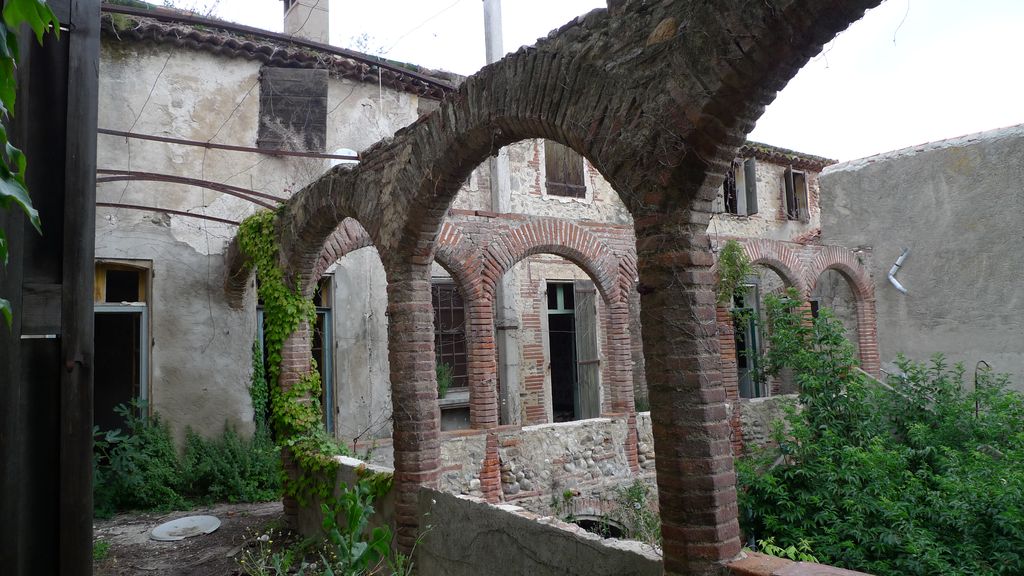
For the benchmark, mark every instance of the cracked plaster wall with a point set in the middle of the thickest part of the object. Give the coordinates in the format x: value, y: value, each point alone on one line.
x: 201, y: 354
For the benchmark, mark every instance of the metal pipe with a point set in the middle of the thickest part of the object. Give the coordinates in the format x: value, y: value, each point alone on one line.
x: 232, y: 147
x: 243, y: 193
x: 167, y: 210
x: 896, y: 268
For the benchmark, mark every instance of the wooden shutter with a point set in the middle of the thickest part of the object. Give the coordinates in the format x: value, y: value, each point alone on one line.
x: 740, y: 196
x: 564, y: 171
x: 800, y: 193
x: 789, y: 191
x: 588, y: 360
x: 750, y: 183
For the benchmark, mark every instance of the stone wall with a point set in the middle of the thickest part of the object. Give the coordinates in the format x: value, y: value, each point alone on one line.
x: 536, y: 465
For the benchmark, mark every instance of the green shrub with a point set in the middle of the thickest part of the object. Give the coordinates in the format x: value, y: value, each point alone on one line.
x: 141, y: 470
x: 444, y: 378
x: 231, y: 468
x: 924, y: 475
x: 138, y: 469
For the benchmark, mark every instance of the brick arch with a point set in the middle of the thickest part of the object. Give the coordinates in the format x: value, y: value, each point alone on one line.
x: 776, y: 256
x: 845, y: 262
x: 349, y: 236
x: 658, y: 96
x: 553, y: 236
x: 461, y: 258
x: 780, y: 259
x: 457, y: 254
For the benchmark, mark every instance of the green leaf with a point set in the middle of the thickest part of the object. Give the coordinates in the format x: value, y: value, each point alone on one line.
x: 5, y: 311
x: 11, y: 190
x: 35, y: 13
x: 3, y: 247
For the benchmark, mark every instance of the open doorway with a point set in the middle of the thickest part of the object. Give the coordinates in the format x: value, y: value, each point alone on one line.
x: 573, y: 351
x: 121, y: 296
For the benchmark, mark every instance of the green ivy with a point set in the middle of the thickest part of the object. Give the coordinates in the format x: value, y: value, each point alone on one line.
x: 294, y: 413
x: 733, y: 269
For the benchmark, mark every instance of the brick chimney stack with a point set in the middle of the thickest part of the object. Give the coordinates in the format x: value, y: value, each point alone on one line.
x: 307, y: 19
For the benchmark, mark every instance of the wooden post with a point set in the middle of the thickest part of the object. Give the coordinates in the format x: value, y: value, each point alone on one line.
x: 46, y: 358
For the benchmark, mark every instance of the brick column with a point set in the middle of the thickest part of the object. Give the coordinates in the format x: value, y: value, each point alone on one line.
x: 296, y: 359
x: 482, y: 365
x: 696, y: 479
x: 730, y: 374
x: 620, y: 359
x: 417, y: 418
x: 867, y: 337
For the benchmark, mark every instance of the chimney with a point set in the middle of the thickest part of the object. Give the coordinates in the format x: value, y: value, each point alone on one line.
x: 307, y: 19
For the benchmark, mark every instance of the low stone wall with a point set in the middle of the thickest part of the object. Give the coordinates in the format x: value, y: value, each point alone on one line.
x: 469, y: 537
x: 534, y: 466
x: 758, y: 416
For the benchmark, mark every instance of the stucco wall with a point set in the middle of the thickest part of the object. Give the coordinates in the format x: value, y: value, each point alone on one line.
x: 956, y: 205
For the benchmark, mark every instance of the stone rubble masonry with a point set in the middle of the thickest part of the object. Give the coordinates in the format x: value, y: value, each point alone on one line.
x: 658, y: 97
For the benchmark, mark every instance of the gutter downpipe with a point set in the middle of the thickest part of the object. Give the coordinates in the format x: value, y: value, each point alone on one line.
x: 896, y: 268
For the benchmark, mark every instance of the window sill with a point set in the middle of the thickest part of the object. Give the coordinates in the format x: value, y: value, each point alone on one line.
x: 457, y: 398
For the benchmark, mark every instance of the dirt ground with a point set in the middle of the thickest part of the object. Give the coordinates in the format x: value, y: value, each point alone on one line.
x: 132, y: 553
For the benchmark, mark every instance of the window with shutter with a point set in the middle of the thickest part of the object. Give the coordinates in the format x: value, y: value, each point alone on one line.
x: 564, y: 171
x: 795, y: 189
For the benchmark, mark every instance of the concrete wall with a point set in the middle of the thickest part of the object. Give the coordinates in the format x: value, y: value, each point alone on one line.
x: 957, y: 206
x: 465, y: 535
x: 469, y: 537
x: 362, y: 390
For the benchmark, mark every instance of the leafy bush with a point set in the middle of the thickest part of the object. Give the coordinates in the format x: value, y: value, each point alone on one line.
x: 138, y: 469
x: 141, y: 470
x: 231, y: 468
x: 923, y: 475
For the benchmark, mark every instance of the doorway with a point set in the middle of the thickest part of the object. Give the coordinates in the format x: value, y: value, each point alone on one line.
x: 573, y: 351
x: 121, y: 316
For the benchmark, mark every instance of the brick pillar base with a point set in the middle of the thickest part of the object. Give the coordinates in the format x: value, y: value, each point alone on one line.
x: 490, y: 474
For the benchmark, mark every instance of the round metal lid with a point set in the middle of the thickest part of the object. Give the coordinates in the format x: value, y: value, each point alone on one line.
x: 184, y: 528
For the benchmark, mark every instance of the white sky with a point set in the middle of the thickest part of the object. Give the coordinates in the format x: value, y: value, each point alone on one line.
x: 911, y: 71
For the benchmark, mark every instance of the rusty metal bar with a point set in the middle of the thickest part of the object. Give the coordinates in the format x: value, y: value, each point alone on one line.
x: 242, y: 29
x: 232, y: 147
x: 243, y: 193
x: 167, y: 210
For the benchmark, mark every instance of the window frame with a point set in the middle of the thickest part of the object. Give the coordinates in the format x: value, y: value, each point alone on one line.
x: 796, y: 195
x: 457, y: 336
